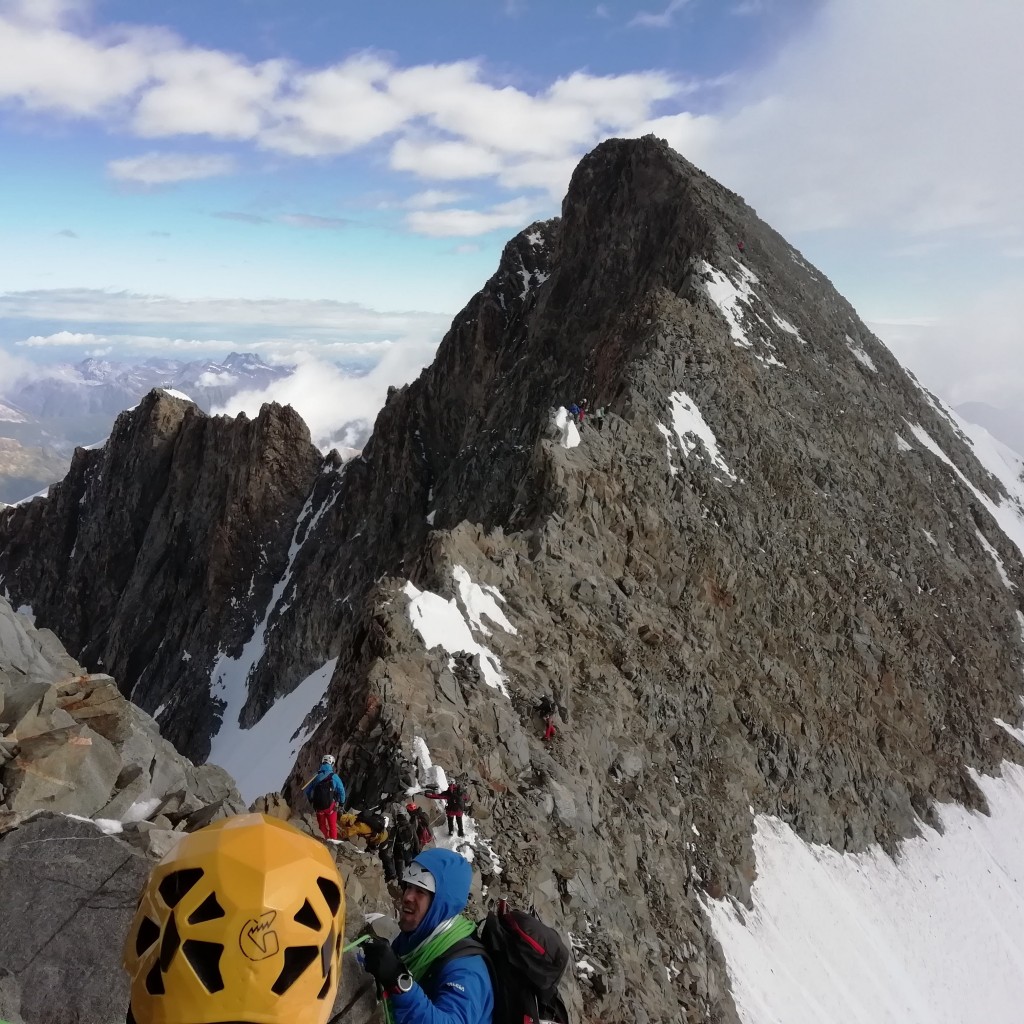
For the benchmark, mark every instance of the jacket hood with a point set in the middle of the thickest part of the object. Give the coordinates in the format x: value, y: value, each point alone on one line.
x: 453, y: 875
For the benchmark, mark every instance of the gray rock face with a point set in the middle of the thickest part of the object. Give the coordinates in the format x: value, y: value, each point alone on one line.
x: 807, y: 624
x: 159, y: 550
x: 67, y: 896
x: 72, y: 747
x: 70, y: 743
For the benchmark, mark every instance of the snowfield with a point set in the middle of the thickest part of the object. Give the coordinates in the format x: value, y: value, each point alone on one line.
x: 934, y: 937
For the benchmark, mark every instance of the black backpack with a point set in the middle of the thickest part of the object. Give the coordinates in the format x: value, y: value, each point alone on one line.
x: 372, y: 818
x: 322, y: 796
x: 525, y: 958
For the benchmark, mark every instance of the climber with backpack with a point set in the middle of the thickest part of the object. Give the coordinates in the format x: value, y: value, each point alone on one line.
x: 370, y: 824
x: 547, y: 708
x: 455, y: 805
x: 505, y: 970
x: 424, y: 833
x: 421, y: 976
x: 406, y: 844
x: 326, y: 792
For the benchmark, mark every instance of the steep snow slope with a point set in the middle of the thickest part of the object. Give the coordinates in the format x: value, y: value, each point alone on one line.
x: 932, y: 936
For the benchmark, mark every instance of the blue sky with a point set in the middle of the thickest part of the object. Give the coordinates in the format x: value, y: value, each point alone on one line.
x: 169, y: 168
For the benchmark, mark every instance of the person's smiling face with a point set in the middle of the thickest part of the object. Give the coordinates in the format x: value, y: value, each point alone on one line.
x: 415, y: 904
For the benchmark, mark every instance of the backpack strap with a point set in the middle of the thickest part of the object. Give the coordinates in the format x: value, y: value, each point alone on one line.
x: 463, y: 948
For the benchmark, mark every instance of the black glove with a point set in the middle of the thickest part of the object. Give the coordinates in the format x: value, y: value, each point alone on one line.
x: 380, y: 960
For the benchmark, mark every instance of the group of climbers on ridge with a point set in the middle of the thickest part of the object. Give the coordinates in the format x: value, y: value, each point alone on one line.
x: 396, y: 841
x: 580, y: 411
x: 282, y: 924
x: 265, y: 944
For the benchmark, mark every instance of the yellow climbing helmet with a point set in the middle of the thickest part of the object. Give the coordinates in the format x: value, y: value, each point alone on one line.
x: 243, y: 921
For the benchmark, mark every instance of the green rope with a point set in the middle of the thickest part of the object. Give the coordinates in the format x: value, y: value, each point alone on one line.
x: 419, y: 960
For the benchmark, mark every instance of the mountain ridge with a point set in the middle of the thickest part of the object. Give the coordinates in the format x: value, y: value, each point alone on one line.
x: 777, y: 580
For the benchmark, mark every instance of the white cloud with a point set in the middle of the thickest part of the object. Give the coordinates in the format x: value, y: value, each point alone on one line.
x: 448, y: 161
x: 204, y: 92
x: 89, y: 305
x: 659, y: 19
x: 13, y: 368
x: 339, y: 408
x: 970, y: 355
x: 310, y: 220
x: 166, y: 168
x: 43, y: 12
x: 464, y: 223
x: 336, y: 110
x: 432, y: 197
x: 859, y: 122
x: 60, y: 338
x: 46, y: 68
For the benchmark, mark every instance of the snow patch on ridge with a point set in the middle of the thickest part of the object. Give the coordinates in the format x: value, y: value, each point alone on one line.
x: 1009, y: 514
x: 860, y: 355
x: 727, y: 297
x: 176, y: 394
x: 481, y: 602
x: 561, y: 421
x: 442, y: 623
x: 472, y: 845
x: 995, y: 558
x: 858, y: 938
x: 257, y: 756
x: 692, y: 434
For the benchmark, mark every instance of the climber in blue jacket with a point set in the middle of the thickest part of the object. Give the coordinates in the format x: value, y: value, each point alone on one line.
x: 433, y: 972
x: 326, y: 792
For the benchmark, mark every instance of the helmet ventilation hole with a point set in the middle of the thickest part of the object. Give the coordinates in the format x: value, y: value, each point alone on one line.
x: 331, y: 893
x: 148, y: 933
x: 155, y: 981
x: 204, y: 958
x: 170, y: 944
x: 296, y: 960
x: 176, y: 885
x: 322, y: 994
x: 326, y: 950
x: 208, y: 910
x: 307, y: 916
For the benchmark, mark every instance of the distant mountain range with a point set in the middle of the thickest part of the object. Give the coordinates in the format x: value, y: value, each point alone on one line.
x: 44, y: 418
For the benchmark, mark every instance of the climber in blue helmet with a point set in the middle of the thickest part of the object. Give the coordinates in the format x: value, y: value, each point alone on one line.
x: 433, y: 972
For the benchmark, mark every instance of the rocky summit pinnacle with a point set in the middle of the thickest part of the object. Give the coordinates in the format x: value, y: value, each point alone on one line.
x: 775, y: 577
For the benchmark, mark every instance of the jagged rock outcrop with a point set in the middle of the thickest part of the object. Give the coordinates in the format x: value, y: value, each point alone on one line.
x: 158, y: 551
x: 71, y: 744
x: 771, y: 581
x: 72, y: 748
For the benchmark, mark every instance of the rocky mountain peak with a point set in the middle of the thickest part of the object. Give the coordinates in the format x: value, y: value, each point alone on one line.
x: 779, y: 577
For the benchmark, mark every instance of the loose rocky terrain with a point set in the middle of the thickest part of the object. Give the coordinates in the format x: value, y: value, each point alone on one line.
x: 777, y: 580
x: 90, y: 797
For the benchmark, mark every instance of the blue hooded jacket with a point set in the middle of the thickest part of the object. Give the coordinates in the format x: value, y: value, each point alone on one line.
x: 460, y: 992
x: 337, y: 784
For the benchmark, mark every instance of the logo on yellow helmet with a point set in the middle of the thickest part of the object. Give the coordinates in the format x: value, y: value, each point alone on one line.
x: 258, y: 938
